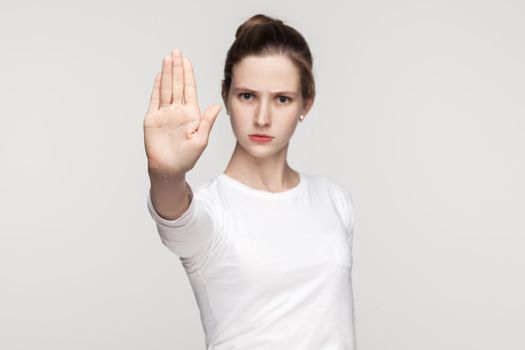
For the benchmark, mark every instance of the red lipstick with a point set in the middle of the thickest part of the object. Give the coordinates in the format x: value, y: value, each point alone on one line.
x: 260, y: 138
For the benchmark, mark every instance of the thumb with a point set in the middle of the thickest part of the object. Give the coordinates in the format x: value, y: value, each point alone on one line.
x: 207, y: 120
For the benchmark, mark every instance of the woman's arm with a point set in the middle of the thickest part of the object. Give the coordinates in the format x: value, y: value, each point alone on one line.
x: 169, y: 194
x: 175, y: 134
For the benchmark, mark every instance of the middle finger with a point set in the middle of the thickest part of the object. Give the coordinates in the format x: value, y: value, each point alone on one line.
x: 178, y: 76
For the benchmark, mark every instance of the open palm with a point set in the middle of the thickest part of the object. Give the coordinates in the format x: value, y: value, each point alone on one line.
x: 175, y: 133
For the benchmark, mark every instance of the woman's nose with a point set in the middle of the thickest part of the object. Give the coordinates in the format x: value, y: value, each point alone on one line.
x: 263, y: 117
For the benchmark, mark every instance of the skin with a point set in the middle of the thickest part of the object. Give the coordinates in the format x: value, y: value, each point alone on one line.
x: 264, y: 98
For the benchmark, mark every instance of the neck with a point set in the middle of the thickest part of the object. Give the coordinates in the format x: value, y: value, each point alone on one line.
x: 272, y: 174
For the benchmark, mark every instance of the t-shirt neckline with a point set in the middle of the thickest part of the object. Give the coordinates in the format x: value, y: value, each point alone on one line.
x: 265, y: 194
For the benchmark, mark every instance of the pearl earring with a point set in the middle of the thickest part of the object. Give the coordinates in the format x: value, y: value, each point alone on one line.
x: 301, y: 118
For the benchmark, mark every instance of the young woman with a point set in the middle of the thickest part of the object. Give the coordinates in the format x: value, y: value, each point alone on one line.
x: 267, y: 249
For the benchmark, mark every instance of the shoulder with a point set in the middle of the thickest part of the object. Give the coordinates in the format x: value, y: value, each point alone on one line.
x: 327, y: 184
x: 339, y: 194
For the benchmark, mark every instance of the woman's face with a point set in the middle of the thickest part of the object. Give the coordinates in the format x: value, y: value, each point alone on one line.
x: 265, y: 98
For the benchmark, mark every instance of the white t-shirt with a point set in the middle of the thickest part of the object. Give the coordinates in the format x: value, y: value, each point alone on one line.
x: 268, y: 270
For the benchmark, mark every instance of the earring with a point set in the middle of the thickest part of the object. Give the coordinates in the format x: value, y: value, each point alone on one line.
x: 301, y: 118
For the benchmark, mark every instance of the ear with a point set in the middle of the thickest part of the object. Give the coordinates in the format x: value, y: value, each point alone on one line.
x: 307, y: 105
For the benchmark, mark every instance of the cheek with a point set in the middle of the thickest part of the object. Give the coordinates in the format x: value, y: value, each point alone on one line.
x: 287, y: 122
x: 240, y: 114
x: 239, y: 127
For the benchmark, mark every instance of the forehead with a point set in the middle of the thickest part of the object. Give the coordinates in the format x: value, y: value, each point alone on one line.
x: 273, y: 72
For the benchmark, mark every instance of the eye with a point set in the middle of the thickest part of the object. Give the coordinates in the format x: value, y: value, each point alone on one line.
x: 284, y: 99
x: 245, y: 96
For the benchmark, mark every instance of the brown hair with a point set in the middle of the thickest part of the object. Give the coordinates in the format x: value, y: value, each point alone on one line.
x: 261, y: 35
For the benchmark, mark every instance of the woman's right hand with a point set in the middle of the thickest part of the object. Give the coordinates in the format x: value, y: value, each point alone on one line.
x: 175, y: 133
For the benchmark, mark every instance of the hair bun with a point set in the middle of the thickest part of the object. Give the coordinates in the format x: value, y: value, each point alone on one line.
x: 261, y: 35
x: 254, y: 21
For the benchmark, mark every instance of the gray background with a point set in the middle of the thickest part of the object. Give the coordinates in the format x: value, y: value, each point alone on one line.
x: 419, y: 113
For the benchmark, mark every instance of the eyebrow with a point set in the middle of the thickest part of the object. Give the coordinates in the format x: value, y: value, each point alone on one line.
x: 239, y: 89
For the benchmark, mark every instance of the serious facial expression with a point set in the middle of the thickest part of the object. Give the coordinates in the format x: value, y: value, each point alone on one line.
x: 265, y: 98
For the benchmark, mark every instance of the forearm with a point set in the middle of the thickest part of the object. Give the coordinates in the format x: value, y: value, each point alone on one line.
x: 169, y: 194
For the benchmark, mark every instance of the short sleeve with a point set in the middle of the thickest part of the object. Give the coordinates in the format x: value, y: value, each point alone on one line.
x: 192, y: 235
x: 349, y: 211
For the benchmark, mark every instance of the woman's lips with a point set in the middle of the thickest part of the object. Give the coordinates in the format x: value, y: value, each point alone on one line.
x: 260, y: 138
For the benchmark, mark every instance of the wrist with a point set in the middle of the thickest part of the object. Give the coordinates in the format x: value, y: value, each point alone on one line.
x: 160, y: 175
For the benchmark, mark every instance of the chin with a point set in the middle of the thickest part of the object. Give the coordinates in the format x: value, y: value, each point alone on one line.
x: 261, y: 155
x: 261, y: 151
